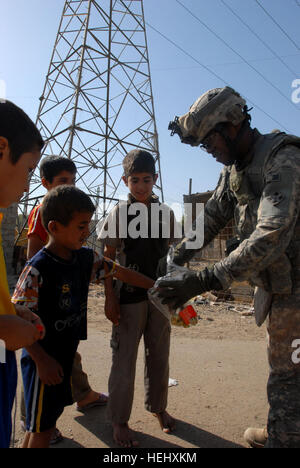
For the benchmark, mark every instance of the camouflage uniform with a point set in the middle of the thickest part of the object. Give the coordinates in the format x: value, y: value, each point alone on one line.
x: 264, y: 199
x: 268, y: 223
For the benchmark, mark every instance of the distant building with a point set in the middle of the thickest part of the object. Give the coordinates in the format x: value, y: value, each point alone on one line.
x: 216, y: 250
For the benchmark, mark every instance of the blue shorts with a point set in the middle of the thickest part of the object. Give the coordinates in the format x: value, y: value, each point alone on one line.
x: 8, y: 385
x: 44, y: 403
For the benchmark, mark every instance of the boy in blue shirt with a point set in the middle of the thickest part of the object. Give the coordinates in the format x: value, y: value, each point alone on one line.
x: 54, y: 284
x: 54, y: 171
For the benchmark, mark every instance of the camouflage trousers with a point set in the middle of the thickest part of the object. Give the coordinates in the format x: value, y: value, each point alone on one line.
x: 284, y: 380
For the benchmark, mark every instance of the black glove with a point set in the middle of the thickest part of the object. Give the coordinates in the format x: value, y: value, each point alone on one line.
x: 162, y: 267
x: 180, y: 256
x: 178, y: 290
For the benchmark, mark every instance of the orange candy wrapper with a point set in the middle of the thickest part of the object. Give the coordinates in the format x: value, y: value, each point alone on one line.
x: 179, y: 317
x: 40, y: 328
x: 187, y: 314
x: 185, y: 317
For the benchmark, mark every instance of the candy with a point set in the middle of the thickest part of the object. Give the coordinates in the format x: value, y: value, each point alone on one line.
x: 40, y: 328
x: 185, y: 317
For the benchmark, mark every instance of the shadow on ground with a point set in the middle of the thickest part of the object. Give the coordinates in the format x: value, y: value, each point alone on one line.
x: 93, y: 423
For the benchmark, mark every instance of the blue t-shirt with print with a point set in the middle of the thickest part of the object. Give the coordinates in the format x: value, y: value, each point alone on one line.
x: 62, y: 301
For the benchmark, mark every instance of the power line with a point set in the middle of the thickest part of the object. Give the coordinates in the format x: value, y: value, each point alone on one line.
x: 187, y: 53
x: 258, y: 37
x: 266, y: 59
x: 214, y: 74
x: 277, y: 24
x: 239, y: 55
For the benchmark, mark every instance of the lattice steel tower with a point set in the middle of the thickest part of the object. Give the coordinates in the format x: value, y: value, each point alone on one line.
x: 97, y: 102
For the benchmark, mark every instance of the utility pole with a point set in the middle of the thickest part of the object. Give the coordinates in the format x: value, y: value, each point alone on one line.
x: 97, y: 101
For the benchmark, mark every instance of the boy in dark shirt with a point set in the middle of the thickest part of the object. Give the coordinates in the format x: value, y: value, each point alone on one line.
x: 55, y: 284
x: 55, y: 171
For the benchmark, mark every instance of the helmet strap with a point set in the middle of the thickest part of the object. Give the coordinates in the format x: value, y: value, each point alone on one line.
x: 234, y: 145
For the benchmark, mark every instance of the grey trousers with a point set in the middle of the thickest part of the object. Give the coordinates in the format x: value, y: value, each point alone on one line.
x: 137, y: 320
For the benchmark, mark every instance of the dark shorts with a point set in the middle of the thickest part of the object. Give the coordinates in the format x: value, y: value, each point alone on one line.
x: 8, y: 384
x: 44, y: 403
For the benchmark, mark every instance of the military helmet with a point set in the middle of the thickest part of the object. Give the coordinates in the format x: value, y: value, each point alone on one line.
x: 218, y: 105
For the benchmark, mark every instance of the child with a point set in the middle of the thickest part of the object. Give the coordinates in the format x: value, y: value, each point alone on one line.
x: 55, y: 284
x: 136, y: 316
x: 55, y: 171
x: 20, y: 147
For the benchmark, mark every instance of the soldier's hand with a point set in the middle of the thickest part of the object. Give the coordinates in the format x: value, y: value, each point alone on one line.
x: 178, y: 290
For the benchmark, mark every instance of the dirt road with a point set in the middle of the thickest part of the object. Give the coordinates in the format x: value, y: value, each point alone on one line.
x: 221, y: 369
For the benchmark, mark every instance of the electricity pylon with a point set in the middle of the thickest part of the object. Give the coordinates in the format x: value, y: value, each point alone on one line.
x: 97, y: 102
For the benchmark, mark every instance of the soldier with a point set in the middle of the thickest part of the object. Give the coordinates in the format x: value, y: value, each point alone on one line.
x: 260, y: 188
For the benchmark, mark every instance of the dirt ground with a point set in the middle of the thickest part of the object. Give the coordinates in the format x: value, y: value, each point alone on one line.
x: 221, y: 368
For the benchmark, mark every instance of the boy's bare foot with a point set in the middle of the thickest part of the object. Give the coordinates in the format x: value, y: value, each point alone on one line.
x: 167, y: 423
x: 124, y: 436
x: 92, y: 399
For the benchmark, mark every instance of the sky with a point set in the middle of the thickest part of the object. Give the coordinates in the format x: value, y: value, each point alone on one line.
x: 194, y: 45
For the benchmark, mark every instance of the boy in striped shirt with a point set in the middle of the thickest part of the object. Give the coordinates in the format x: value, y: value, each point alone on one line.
x: 54, y: 284
x: 54, y: 171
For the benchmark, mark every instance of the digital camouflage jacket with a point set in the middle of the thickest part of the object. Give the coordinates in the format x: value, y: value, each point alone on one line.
x: 264, y: 200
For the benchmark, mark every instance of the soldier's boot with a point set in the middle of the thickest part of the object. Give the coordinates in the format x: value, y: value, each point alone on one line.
x: 255, y: 437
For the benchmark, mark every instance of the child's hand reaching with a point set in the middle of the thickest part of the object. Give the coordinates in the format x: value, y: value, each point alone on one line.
x: 26, y: 314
